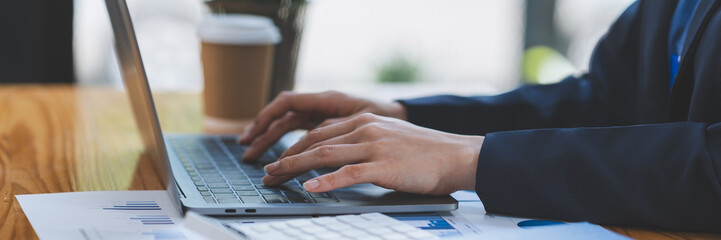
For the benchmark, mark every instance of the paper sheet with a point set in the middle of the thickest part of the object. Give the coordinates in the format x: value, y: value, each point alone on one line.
x: 150, y: 215
x: 104, y: 215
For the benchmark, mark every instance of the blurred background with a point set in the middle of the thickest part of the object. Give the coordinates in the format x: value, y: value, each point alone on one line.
x: 383, y: 49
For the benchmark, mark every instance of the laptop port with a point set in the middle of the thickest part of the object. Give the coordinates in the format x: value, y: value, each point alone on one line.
x: 249, y: 210
x: 229, y: 210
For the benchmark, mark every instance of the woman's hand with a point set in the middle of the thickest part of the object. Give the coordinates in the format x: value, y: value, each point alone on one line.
x: 387, y: 152
x: 290, y: 111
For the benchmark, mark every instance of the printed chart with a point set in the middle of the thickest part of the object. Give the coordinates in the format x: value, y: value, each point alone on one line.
x: 105, y: 215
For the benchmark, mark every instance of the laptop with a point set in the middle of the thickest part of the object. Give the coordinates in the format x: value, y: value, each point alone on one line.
x: 205, y: 173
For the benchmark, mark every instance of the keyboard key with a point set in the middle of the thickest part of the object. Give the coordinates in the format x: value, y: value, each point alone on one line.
x: 202, y: 167
x: 269, y: 191
x: 279, y: 225
x: 300, y: 200
x: 351, y: 233
x: 235, y: 175
x: 325, y: 200
x: 199, y: 183
x: 209, y: 199
x: 338, y: 227
x: 248, y: 166
x: 403, y: 228
x: 328, y: 235
x: 291, y: 184
x: 201, y: 159
x: 218, y: 185
x: 275, y: 199
x: 228, y: 200
x: 254, y: 168
x: 222, y: 190
x: 300, y: 223
x: 227, y: 166
x: 294, y: 232
x: 293, y: 189
x: 394, y: 236
x: 267, y: 157
x: 350, y: 218
x: 370, y: 225
x: 319, y: 195
x: 325, y: 220
x: 202, y: 189
x: 366, y: 236
x: 224, y: 196
x: 373, y: 216
x: 247, y: 193
x: 243, y: 188
x: 305, y: 177
x: 205, y: 193
x: 295, y: 197
x: 262, y: 228
x: 215, y: 180
x: 314, y: 230
x: 379, y: 231
x: 239, y: 181
x: 211, y: 176
x: 252, y: 199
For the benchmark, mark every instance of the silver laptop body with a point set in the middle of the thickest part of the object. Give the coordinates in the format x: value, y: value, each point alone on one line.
x: 203, y: 172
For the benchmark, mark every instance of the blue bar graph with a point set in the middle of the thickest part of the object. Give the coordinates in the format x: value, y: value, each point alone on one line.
x: 428, y: 221
x: 153, y: 219
x: 135, y: 205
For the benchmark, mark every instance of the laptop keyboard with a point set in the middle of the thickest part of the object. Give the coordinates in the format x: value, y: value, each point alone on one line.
x: 215, y: 166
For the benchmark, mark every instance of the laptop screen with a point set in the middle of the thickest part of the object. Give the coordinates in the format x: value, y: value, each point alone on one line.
x: 138, y: 89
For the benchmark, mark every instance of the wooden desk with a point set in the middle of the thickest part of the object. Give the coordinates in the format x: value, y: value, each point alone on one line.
x: 64, y: 138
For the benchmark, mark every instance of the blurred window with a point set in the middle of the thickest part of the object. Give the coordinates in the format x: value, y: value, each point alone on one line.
x: 380, y: 48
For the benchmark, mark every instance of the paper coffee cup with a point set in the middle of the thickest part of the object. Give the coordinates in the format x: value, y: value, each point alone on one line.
x: 237, y: 54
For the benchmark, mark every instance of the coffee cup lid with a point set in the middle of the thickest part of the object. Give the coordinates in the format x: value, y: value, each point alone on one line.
x: 238, y: 29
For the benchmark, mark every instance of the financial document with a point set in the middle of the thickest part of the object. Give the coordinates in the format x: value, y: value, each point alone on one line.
x: 152, y: 215
x: 105, y: 215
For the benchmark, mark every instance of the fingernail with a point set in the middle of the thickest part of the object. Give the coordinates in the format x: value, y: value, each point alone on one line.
x: 271, y: 167
x: 266, y: 180
x: 311, y: 184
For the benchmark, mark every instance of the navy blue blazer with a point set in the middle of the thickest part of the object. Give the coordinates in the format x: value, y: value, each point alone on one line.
x: 613, y: 146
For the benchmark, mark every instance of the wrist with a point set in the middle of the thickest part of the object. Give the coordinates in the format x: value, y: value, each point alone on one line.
x: 469, y: 162
x: 397, y: 110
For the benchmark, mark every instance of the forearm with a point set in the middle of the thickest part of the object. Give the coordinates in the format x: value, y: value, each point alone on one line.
x: 571, y: 103
x: 662, y: 175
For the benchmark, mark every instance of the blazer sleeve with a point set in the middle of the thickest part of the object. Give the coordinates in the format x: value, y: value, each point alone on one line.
x: 570, y: 103
x: 662, y: 175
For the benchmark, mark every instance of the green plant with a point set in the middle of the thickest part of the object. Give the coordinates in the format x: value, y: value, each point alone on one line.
x: 399, y: 69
